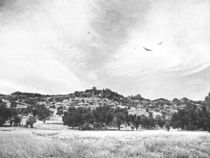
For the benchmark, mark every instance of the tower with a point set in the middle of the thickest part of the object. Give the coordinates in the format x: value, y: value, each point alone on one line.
x: 93, y: 91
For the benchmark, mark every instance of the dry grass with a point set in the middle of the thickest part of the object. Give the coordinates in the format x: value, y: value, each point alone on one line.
x: 36, y: 143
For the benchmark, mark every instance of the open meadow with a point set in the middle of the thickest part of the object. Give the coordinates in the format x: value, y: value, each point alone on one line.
x: 65, y: 143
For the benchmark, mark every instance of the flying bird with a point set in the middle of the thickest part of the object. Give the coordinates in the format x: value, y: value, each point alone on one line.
x: 147, y: 49
x: 160, y: 43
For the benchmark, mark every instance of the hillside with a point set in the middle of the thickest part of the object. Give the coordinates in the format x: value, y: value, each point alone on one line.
x: 92, y: 98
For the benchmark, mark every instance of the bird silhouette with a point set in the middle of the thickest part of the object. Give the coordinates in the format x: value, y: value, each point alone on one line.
x: 160, y: 43
x: 147, y: 49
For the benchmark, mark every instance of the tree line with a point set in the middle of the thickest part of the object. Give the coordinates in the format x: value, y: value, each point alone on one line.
x: 104, y: 116
x: 98, y: 118
x: 14, y: 115
x: 191, y: 118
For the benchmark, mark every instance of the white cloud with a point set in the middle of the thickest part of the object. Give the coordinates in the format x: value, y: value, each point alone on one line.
x: 57, y: 46
x: 30, y: 44
x: 183, y: 28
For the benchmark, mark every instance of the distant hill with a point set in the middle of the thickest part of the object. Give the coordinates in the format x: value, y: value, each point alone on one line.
x: 94, y: 97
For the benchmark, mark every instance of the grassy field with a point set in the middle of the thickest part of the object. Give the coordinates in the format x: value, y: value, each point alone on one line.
x: 37, y: 143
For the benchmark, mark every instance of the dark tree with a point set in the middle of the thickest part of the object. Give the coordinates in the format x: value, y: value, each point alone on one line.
x: 77, y: 116
x: 167, y: 125
x: 147, y: 122
x: 41, y: 111
x: 30, y: 121
x: 5, y: 113
x: 207, y: 102
x: 134, y: 121
x: 121, y: 116
x: 191, y: 118
x: 160, y: 121
x: 103, y: 115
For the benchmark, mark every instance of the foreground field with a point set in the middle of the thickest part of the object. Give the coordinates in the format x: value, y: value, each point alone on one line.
x: 36, y: 143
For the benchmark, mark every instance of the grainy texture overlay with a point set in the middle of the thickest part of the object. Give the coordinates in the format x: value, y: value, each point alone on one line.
x: 104, y: 78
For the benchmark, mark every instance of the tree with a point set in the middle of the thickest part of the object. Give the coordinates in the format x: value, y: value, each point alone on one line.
x: 5, y: 113
x: 30, y: 121
x: 77, y: 116
x: 167, y: 125
x: 147, y: 122
x: 41, y: 111
x: 70, y: 117
x: 121, y: 116
x: 207, y: 101
x: 103, y: 115
x: 15, y: 120
x: 160, y: 121
x: 60, y: 112
x: 135, y: 121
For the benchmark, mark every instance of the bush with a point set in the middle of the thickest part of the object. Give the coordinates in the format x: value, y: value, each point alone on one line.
x: 86, y: 126
x: 2, y: 120
x: 60, y: 112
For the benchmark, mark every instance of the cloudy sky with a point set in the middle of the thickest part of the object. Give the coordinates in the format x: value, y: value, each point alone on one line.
x: 59, y: 46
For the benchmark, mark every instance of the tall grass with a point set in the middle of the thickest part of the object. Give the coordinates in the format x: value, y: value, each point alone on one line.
x: 103, y: 144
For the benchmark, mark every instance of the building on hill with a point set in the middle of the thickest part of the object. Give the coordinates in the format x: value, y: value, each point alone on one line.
x: 83, y: 104
x: 21, y: 105
x: 155, y: 114
x: 138, y: 112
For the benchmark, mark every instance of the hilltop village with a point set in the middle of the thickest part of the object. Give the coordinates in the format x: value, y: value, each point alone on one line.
x: 93, y: 98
